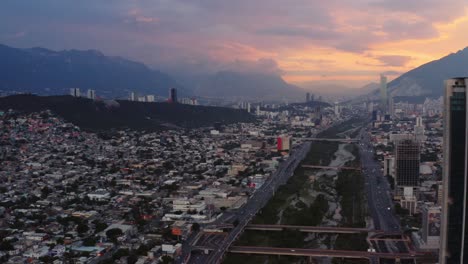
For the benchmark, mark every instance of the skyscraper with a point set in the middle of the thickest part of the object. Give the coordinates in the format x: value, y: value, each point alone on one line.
x: 383, y: 93
x: 407, y: 158
x: 454, y: 247
x: 132, y: 96
x: 173, y: 95
x: 75, y: 92
x: 91, y: 94
x: 419, y: 129
x: 337, y: 109
x: 308, y: 97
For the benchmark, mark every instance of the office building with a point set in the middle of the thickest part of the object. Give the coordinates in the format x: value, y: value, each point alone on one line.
x: 408, y: 200
x: 431, y: 223
x: 283, y: 143
x: 389, y: 166
x: 308, y: 97
x: 370, y: 107
x: 75, y: 92
x: 91, y: 94
x: 150, y: 98
x: 173, y: 95
x: 419, y: 129
x: 383, y: 93
x: 407, y: 159
x: 337, y: 109
x: 132, y: 96
x: 454, y: 212
x: 391, y: 106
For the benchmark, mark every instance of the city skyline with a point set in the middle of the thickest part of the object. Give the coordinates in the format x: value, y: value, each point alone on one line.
x: 332, y: 42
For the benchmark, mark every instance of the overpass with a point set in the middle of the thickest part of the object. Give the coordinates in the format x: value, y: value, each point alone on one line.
x: 343, y: 140
x: 331, y: 167
x: 322, y: 253
x: 310, y: 229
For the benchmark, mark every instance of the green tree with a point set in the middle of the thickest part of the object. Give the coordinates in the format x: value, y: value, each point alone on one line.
x: 196, y: 227
x: 82, y: 228
x: 167, y: 260
x: 113, y: 234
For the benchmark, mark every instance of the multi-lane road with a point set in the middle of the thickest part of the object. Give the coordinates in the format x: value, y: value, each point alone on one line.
x: 256, y: 202
x: 381, y: 207
x: 377, y: 188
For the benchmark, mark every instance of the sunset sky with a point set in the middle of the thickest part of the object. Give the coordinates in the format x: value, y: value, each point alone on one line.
x: 337, y: 41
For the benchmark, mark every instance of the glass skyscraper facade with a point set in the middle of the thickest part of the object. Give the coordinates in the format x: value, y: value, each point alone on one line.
x: 454, y: 248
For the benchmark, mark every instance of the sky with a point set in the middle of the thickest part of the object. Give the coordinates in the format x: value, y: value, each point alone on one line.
x: 307, y: 42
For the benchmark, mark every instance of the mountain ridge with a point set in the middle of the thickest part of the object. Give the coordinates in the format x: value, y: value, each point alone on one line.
x: 427, y: 79
x: 43, y: 71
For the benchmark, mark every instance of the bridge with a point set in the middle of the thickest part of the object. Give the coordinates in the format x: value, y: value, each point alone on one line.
x: 310, y: 229
x: 331, y: 167
x: 322, y: 253
x: 343, y: 140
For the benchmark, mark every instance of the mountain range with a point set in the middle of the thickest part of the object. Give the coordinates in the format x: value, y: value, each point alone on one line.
x: 244, y: 86
x: 43, y: 71
x: 428, y: 79
x: 46, y: 72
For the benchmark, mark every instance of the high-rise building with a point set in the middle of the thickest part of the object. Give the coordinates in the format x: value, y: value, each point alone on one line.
x: 383, y: 93
x: 407, y: 159
x: 132, y: 96
x: 454, y: 239
x: 389, y: 166
x: 431, y: 226
x: 91, y: 94
x: 75, y: 92
x: 391, y: 106
x: 419, y: 129
x: 283, y: 143
x: 337, y: 109
x: 150, y: 98
x: 371, y: 107
x: 308, y: 97
x: 173, y: 95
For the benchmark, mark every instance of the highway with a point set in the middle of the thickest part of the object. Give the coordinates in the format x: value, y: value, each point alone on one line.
x: 380, y: 203
x: 378, y: 189
x: 320, y: 253
x: 256, y: 202
x: 309, y: 229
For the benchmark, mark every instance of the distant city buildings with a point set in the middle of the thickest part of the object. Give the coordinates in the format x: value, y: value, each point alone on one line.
x: 173, y: 95
x: 419, y: 129
x: 337, y: 109
x: 75, y: 92
x: 454, y: 207
x: 383, y: 93
x: 307, y: 97
x: 132, y: 96
x: 91, y: 94
x: 150, y: 98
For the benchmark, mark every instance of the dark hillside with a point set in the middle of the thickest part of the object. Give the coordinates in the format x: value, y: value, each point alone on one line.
x: 98, y: 115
